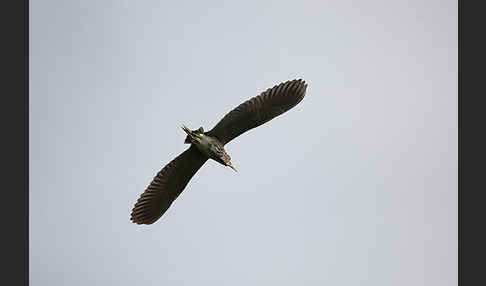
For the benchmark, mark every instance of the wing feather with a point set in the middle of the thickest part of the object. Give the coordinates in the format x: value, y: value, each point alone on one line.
x: 166, y: 186
x: 259, y: 109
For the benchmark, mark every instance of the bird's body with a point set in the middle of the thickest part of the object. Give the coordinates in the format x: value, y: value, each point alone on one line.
x: 172, y: 179
x: 208, y: 145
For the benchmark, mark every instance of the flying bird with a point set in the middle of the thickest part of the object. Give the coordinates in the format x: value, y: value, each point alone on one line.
x: 169, y: 182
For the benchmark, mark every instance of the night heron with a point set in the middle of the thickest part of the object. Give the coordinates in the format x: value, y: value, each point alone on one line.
x: 168, y: 184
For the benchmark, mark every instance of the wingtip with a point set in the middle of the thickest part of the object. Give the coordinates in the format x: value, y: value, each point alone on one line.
x: 301, y: 85
x: 301, y: 81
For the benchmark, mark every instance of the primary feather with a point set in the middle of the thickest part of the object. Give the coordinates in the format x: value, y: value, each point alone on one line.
x: 167, y: 186
x: 259, y: 109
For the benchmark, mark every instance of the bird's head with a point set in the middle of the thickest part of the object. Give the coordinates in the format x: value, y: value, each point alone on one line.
x: 192, y: 135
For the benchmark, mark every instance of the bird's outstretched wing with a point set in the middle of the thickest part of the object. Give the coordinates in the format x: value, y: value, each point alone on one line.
x: 259, y: 109
x: 167, y: 186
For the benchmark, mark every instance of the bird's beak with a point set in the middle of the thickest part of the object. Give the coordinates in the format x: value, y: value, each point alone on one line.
x: 231, y: 166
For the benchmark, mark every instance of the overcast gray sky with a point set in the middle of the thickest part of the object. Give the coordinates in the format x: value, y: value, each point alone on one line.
x: 366, y: 193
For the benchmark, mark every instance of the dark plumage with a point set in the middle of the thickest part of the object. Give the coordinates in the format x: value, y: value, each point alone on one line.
x: 173, y: 178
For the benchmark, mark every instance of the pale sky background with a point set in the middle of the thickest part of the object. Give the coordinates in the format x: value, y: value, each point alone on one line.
x: 366, y: 193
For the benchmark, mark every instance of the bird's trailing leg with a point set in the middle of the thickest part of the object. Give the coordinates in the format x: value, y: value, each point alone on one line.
x: 187, y: 130
x: 190, y: 134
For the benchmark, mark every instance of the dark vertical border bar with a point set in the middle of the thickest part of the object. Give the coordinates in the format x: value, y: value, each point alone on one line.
x: 15, y: 145
x: 25, y: 92
x: 471, y: 159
